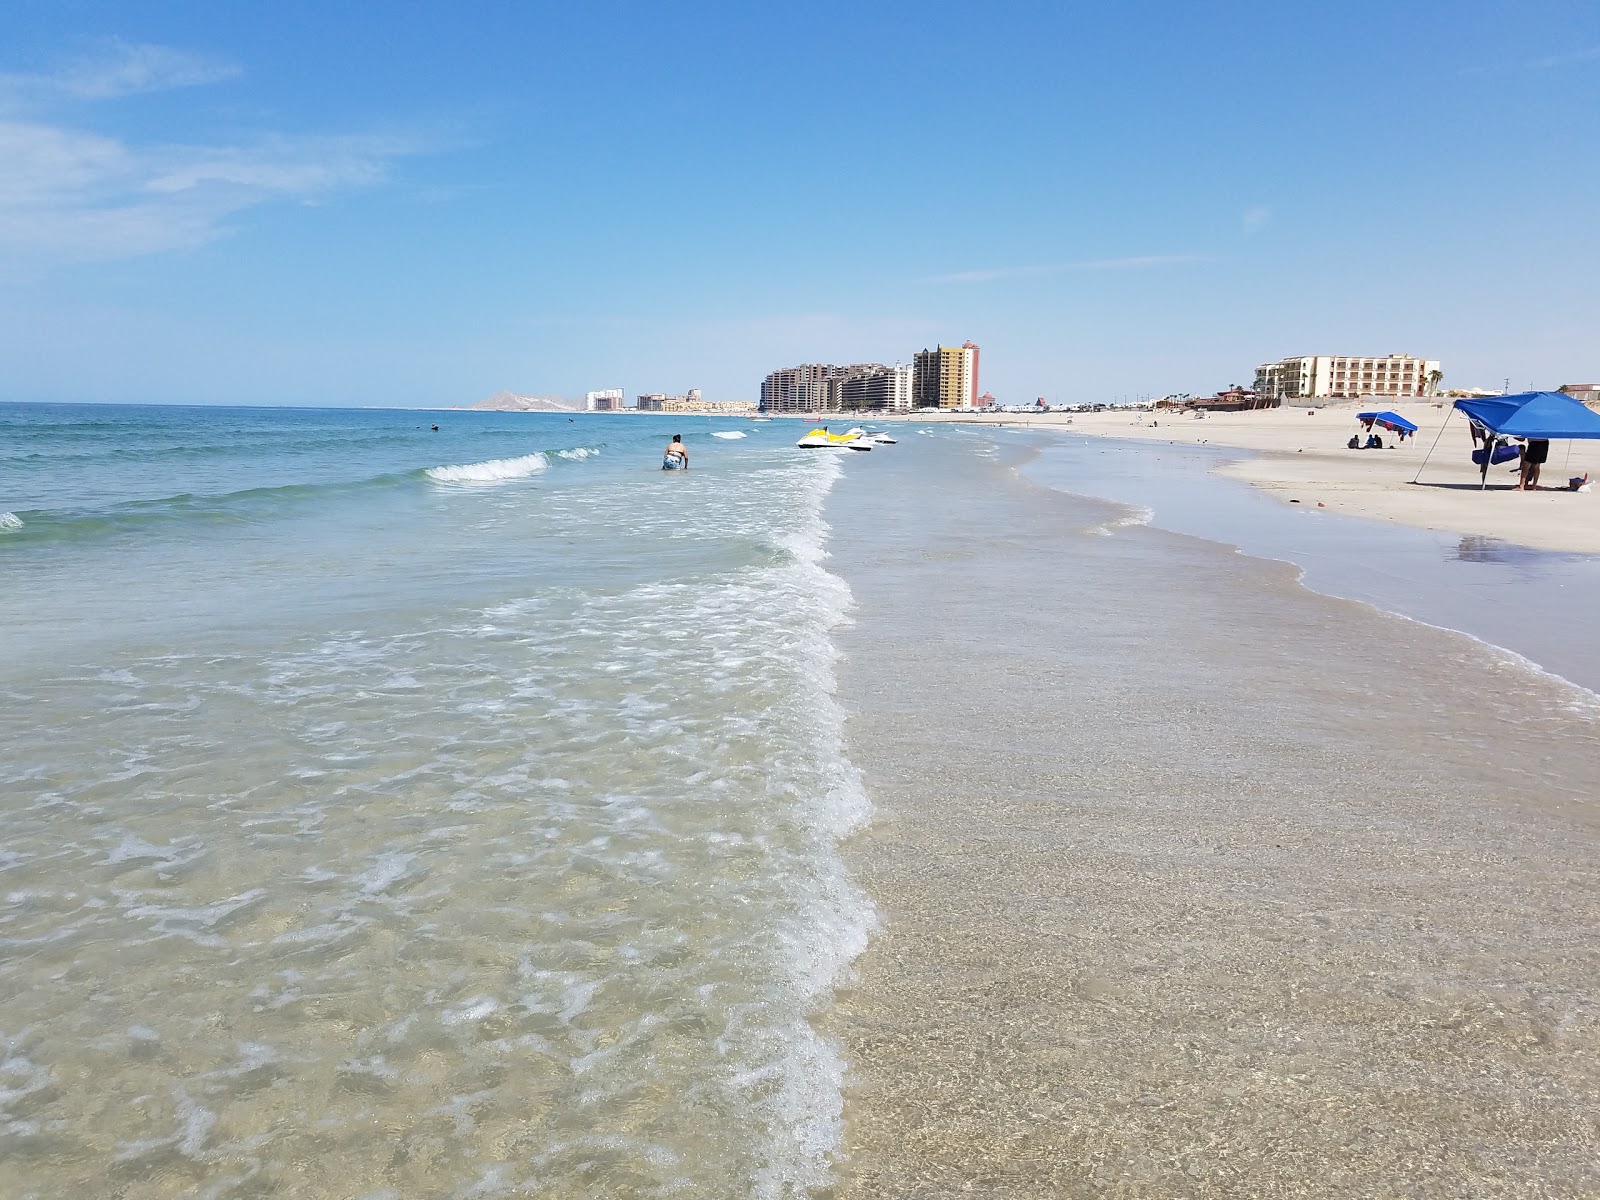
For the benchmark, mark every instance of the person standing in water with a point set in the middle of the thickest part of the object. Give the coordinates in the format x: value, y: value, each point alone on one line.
x: 676, y: 457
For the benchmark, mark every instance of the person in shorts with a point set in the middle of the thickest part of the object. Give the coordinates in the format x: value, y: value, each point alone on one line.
x: 676, y: 456
x: 1534, y: 454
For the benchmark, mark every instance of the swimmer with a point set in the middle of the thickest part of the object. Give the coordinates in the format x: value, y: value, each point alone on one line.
x: 676, y: 456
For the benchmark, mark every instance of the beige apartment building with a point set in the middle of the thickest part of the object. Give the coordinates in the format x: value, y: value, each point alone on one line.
x: 1333, y: 377
x: 946, y: 377
x: 879, y: 388
x: 661, y: 402
x: 820, y: 387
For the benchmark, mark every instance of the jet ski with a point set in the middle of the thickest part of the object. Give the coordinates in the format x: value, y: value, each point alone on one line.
x: 820, y: 439
x: 876, y: 436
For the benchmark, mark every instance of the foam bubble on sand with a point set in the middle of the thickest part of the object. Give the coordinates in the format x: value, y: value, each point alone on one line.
x: 492, y: 470
x: 1139, y: 516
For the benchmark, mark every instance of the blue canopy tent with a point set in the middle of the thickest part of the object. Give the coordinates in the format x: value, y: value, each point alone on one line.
x: 1547, y: 416
x: 1393, y: 422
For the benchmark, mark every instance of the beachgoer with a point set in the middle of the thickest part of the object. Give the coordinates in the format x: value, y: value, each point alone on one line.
x: 1534, y: 453
x: 1578, y: 482
x: 1354, y: 443
x: 676, y: 457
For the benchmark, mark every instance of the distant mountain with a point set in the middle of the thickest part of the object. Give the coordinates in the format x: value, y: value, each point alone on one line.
x: 511, y: 402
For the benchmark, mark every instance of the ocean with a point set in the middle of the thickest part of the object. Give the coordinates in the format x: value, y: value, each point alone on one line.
x: 391, y: 812
x: 485, y: 812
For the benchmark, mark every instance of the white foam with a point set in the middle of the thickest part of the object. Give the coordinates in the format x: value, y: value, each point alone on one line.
x: 1138, y: 516
x: 10, y: 520
x: 472, y: 1011
x: 385, y: 872
x: 730, y: 434
x: 493, y: 470
x: 578, y: 453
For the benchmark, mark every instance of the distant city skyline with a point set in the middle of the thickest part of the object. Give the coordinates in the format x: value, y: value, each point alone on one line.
x: 253, y: 204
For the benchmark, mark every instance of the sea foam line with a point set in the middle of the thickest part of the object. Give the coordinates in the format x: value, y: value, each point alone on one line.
x: 491, y: 470
x: 9, y: 520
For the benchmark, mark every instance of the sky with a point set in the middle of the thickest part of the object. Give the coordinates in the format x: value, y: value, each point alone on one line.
x: 421, y: 204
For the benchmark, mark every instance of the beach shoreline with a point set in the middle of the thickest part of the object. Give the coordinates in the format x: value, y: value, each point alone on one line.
x: 1300, y: 458
x: 1171, y: 912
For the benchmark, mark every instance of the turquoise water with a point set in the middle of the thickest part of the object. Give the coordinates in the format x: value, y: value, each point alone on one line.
x: 398, y: 812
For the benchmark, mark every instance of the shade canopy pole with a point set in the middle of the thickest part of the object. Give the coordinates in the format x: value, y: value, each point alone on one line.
x: 1431, y: 449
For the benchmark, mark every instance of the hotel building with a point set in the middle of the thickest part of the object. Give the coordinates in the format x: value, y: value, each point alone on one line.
x: 1325, y: 376
x: 609, y: 400
x: 884, y: 389
x: 811, y: 387
x: 946, y: 377
x: 661, y: 402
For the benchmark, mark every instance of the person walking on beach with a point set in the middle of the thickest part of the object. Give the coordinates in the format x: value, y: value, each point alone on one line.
x: 676, y: 457
x: 1534, y: 454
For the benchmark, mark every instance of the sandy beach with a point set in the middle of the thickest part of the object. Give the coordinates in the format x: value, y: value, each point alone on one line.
x: 1299, y: 455
x: 1273, y: 895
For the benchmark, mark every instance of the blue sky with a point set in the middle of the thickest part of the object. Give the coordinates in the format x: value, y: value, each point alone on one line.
x: 422, y: 204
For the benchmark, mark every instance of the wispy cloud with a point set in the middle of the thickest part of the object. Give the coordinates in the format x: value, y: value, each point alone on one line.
x: 71, y: 194
x: 1137, y: 263
x: 1566, y: 60
x: 1254, y: 218
x: 1548, y: 63
x: 123, y: 69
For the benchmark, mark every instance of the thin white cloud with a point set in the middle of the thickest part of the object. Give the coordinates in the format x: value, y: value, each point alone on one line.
x: 1136, y: 263
x: 123, y: 69
x: 69, y: 194
x: 1255, y: 218
x: 1549, y: 63
x: 1566, y: 60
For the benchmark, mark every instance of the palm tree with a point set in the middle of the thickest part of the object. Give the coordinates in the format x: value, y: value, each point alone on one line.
x: 1435, y: 377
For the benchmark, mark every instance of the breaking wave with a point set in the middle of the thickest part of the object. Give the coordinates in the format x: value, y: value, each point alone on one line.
x: 493, y: 470
x: 497, y: 470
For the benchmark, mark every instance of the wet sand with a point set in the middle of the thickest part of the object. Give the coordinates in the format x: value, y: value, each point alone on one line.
x: 1191, y: 886
x: 1300, y: 455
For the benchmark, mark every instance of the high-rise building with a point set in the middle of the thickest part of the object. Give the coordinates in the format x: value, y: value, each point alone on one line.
x: 946, y: 377
x: 1334, y: 377
x: 811, y: 387
x: 884, y: 389
x: 609, y: 400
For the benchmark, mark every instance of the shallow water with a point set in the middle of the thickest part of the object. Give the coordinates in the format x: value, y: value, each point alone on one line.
x: 1532, y: 602
x: 1195, y: 883
x: 390, y: 813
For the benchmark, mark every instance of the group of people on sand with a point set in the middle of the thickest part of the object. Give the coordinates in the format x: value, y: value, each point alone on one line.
x: 1373, y: 442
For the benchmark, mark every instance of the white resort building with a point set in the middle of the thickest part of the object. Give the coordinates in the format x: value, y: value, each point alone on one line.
x: 1332, y: 377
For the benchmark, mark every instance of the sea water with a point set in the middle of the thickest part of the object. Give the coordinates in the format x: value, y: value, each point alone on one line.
x: 1193, y: 882
x: 1531, y: 603
x: 399, y: 812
